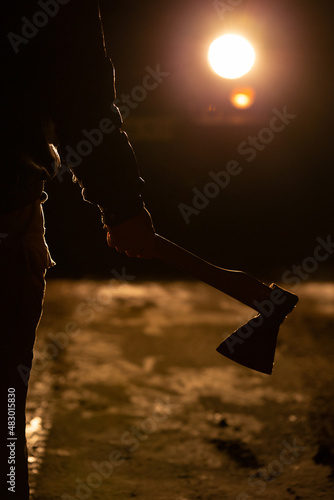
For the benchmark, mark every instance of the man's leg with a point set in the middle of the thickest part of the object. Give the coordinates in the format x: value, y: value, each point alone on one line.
x: 23, y: 262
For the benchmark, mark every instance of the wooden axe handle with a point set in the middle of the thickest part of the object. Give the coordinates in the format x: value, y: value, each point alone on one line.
x: 236, y: 284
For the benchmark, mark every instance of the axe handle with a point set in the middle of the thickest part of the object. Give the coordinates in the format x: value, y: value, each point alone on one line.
x: 236, y: 284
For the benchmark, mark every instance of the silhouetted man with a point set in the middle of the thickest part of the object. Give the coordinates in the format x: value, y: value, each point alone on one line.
x: 58, y: 103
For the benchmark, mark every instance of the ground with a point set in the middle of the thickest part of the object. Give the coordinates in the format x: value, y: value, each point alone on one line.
x: 129, y: 398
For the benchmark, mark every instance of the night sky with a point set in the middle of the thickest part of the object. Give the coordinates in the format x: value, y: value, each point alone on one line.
x: 269, y: 216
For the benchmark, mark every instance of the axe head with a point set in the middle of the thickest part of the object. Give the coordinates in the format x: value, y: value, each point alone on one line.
x: 253, y: 345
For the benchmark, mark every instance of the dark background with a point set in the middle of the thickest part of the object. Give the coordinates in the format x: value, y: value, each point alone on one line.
x: 269, y: 217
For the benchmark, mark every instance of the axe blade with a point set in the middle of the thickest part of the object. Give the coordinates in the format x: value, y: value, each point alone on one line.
x: 253, y: 345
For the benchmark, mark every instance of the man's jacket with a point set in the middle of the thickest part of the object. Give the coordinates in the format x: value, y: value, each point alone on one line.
x: 58, y: 96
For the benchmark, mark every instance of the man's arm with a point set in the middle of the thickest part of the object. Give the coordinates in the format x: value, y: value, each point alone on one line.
x: 89, y: 127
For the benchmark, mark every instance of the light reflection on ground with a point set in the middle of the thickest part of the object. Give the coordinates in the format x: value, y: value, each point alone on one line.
x: 140, y: 347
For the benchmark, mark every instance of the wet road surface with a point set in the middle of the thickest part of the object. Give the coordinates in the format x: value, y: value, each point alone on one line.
x: 129, y: 398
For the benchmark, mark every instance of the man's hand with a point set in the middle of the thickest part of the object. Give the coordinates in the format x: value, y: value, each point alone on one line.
x: 135, y: 237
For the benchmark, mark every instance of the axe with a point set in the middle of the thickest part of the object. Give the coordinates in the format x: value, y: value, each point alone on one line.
x: 253, y: 345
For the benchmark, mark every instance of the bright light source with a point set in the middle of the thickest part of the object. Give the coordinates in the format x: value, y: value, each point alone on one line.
x: 231, y: 56
x: 242, y: 98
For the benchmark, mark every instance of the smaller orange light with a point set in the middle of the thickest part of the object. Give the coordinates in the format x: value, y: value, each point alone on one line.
x: 242, y: 98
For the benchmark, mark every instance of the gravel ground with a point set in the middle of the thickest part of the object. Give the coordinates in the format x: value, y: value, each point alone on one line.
x: 129, y: 398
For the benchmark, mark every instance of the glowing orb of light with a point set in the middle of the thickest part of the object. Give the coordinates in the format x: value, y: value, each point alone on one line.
x: 242, y: 98
x: 231, y: 56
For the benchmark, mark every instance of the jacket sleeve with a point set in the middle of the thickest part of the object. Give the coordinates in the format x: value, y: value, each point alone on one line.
x: 81, y: 95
